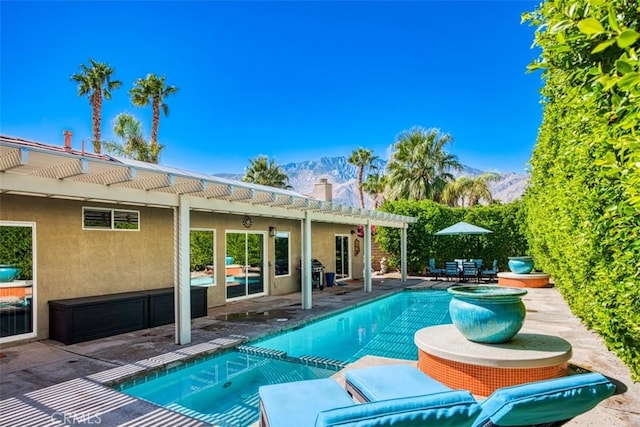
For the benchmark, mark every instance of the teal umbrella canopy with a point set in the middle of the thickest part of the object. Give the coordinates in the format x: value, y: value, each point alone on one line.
x: 462, y: 228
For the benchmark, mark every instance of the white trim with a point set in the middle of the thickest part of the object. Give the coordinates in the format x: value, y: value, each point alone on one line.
x: 215, y: 255
x: 34, y: 284
x: 112, y: 218
x: 350, y: 253
x: 283, y: 234
x: 182, y: 287
x: 265, y: 275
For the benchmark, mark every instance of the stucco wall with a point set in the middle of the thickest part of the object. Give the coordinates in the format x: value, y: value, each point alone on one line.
x: 225, y: 222
x: 323, y: 247
x: 72, y: 262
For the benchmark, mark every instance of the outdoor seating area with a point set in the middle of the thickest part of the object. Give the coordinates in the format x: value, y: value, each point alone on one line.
x: 464, y: 270
x: 402, y: 394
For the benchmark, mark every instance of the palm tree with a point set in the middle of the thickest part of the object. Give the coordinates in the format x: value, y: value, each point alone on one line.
x: 454, y: 192
x: 480, y: 188
x: 152, y: 90
x: 133, y: 145
x: 361, y: 158
x: 95, y: 81
x: 420, y: 168
x: 374, y: 186
x: 264, y: 172
x: 473, y: 189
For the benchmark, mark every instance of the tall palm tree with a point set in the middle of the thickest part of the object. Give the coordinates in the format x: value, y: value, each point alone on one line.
x: 374, y: 186
x: 419, y: 167
x: 132, y: 145
x: 361, y: 158
x: 263, y: 171
x: 95, y: 81
x: 152, y: 90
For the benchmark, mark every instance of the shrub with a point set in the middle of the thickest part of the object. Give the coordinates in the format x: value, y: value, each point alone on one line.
x: 583, y: 204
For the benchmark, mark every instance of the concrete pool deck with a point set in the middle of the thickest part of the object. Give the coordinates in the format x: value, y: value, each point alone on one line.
x: 31, y: 371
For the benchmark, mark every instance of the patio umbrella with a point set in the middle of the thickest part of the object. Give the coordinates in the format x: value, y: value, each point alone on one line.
x: 462, y: 229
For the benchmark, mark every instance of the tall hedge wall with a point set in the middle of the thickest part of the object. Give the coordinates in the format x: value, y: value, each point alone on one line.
x: 583, y: 205
x: 506, y: 222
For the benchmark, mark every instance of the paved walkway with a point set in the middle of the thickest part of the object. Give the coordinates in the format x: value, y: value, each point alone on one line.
x: 44, y: 381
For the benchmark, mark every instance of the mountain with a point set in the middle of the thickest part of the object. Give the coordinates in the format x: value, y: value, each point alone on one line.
x: 343, y: 177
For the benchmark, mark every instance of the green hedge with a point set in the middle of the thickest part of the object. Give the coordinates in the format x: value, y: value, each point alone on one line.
x: 583, y: 204
x: 506, y: 222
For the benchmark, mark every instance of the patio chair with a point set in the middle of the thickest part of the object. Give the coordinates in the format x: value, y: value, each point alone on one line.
x: 542, y: 403
x: 478, y: 262
x: 451, y: 270
x: 433, y: 270
x: 470, y: 270
x: 492, y: 272
x: 325, y: 403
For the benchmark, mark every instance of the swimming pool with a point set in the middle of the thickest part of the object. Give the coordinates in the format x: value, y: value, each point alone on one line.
x: 223, y: 389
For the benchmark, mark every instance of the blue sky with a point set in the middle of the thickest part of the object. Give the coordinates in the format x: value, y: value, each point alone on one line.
x: 291, y: 80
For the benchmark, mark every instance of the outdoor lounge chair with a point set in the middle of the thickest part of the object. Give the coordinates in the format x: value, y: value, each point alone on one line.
x: 325, y: 403
x: 451, y: 270
x: 542, y: 403
x: 470, y: 270
x: 433, y: 270
x: 490, y: 273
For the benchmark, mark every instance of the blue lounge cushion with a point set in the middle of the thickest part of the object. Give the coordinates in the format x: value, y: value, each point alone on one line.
x: 545, y: 401
x: 391, y: 382
x: 446, y: 409
x: 298, y: 403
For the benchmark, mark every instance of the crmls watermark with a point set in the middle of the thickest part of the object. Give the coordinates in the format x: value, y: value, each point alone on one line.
x: 71, y: 418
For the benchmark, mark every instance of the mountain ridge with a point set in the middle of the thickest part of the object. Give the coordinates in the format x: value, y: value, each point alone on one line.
x: 343, y: 177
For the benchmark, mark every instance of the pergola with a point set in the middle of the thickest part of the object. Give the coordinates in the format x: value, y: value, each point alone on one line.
x: 41, y: 170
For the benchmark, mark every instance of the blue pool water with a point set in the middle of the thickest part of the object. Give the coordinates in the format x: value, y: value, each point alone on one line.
x: 382, y: 328
x: 223, y: 389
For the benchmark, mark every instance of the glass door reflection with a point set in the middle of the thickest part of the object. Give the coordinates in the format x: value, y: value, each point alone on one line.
x: 245, y: 264
x: 16, y: 280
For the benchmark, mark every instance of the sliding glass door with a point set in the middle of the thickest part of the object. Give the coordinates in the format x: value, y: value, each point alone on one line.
x: 17, y: 280
x: 343, y: 267
x: 245, y: 264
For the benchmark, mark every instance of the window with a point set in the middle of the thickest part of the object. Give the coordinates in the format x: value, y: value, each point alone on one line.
x: 282, y: 254
x: 110, y: 219
x: 202, y: 259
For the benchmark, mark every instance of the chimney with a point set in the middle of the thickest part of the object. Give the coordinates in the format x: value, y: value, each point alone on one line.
x: 67, y: 140
x: 322, y: 190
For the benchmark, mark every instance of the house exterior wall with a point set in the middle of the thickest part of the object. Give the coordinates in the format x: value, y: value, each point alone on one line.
x: 72, y: 262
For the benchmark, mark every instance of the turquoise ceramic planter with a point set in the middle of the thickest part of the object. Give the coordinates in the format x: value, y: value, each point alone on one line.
x: 521, y: 264
x: 487, y: 314
x: 8, y: 273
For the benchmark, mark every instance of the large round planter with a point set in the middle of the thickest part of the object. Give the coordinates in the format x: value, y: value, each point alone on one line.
x: 8, y: 272
x: 521, y: 264
x: 487, y: 314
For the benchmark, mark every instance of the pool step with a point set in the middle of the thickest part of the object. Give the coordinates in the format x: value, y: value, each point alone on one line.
x: 318, y: 362
x: 322, y: 362
x: 259, y: 351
